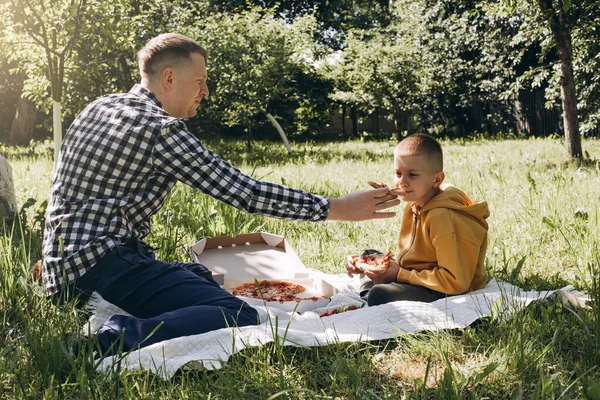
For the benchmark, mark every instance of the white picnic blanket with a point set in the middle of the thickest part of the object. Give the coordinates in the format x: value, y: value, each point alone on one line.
x: 212, y: 349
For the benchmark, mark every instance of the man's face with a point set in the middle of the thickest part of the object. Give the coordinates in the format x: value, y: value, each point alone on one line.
x: 189, y: 87
x: 416, y: 178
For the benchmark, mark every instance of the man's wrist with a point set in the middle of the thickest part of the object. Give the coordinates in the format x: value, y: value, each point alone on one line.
x: 335, y: 206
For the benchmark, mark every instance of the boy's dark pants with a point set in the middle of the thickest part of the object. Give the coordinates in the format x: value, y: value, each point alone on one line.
x: 181, y: 296
x: 387, y: 292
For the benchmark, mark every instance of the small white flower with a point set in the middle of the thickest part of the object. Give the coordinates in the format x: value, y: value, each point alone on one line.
x: 581, y: 213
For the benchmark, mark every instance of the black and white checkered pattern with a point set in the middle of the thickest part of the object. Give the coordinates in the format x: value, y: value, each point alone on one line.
x: 119, y: 161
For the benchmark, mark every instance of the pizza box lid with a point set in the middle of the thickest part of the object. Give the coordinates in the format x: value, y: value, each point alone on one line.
x: 259, y: 254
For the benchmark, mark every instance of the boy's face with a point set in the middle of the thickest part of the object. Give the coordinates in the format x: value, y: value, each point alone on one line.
x: 417, y: 178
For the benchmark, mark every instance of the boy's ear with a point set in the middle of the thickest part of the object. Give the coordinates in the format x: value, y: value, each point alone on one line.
x: 439, y: 178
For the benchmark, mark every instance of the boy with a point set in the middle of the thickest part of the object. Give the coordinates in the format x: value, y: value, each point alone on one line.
x: 443, y: 238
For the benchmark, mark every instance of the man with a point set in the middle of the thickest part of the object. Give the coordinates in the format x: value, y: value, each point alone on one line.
x: 118, y: 162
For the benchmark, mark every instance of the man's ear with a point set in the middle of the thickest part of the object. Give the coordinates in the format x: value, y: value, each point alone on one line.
x: 439, y: 178
x: 167, y: 78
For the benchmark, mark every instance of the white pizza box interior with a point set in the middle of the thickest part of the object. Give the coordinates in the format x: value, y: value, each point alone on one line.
x: 235, y: 260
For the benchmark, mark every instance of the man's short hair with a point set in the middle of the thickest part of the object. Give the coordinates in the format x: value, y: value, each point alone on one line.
x: 166, y: 50
x: 422, y: 144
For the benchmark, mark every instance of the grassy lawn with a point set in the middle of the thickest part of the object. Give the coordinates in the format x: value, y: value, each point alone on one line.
x: 544, y: 230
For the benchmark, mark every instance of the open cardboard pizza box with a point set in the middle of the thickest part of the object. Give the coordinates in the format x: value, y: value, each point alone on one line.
x: 245, y: 258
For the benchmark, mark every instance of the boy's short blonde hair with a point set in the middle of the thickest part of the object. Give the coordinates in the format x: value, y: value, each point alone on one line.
x: 422, y: 144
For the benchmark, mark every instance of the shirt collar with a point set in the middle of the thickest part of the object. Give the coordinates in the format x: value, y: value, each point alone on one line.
x: 145, y: 93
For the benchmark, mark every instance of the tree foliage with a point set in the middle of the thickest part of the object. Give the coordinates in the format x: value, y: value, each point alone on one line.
x: 446, y: 67
x: 254, y: 61
x: 584, y: 25
x: 334, y: 18
x: 376, y: 70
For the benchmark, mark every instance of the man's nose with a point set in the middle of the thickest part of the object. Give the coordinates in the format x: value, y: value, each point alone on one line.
x: 204, y: 90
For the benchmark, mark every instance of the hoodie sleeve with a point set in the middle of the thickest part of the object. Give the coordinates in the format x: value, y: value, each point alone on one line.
x: 457, y: 251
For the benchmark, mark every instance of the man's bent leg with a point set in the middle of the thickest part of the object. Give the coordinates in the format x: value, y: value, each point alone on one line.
x: 183, y: 322
x: 180, y: 295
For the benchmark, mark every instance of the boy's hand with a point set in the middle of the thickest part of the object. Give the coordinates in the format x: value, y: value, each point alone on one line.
x: 351, y: 269
x: 388, y: 276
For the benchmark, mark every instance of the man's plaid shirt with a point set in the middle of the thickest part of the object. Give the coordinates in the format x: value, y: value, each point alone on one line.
x: 119, y: 161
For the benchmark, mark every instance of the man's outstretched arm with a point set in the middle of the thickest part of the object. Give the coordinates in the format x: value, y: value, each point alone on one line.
x: 362, y: 205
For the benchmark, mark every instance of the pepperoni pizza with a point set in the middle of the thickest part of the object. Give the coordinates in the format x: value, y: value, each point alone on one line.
x: 280, y: 291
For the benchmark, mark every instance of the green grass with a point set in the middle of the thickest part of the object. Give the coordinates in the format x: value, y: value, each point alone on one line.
x: 544, y: 230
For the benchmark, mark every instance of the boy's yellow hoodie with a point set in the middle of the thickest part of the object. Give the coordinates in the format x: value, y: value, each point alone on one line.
x: 443, y: 245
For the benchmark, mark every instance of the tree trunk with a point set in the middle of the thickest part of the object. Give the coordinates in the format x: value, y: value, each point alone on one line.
x: 23, y: 124
x: 8, y: 200
x: 249, y: 138
x: 281, y: 132
x: 344, y: 120
x: 377, y: 122
x: 57, y: 129
x: 397, y: 129
x: 561, y: 33
x: 353, y: 113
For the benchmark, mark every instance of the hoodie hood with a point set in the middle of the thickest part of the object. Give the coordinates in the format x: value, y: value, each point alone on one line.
x: 454, y: 199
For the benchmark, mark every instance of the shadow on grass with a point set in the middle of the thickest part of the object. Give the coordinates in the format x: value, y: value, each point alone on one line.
x: 531, y: 282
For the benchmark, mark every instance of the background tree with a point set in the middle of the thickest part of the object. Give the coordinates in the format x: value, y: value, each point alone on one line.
x: 586, y: 48
x: 54, y: 28
x: 376, y: 70
x: 253, y: 57
x: 17, y: 114
x: 451, y: 68
x: 557, y: 15
x: 463, y: 62
x: 96, y: 59
x: 334, y: 18
x: 553, y: 22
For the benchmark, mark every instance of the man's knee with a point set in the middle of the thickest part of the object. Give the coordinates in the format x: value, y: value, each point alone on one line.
x: 247, y: 315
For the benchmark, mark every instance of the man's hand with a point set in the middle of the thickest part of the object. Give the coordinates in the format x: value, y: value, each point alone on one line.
x: 363, y: 205
x: 388, y: 276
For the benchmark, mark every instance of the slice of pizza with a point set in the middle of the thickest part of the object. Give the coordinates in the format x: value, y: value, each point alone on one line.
x: 372, y: 262
x: 393, y: 191
x: 376, y: 185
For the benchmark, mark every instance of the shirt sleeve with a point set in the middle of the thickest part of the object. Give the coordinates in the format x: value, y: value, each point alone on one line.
x: 180, y: 154
x: 456, y: 263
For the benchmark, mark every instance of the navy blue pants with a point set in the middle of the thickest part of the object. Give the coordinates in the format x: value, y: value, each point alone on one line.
x: 181, y: 296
